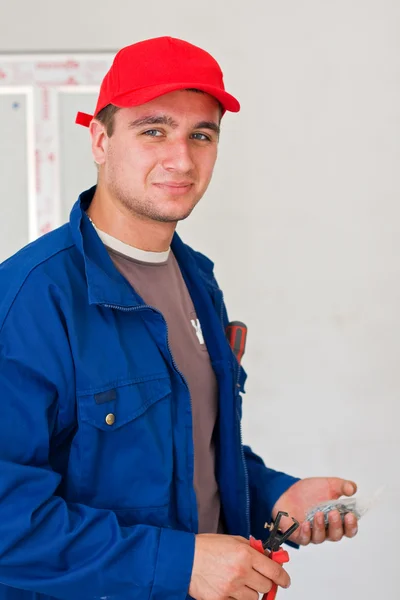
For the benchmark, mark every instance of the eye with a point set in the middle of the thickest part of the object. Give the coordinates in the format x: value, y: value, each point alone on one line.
x: 152, y: 133
x: 202, y: 137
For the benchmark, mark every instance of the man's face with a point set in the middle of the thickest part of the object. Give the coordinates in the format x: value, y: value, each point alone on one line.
x: 159, y: 160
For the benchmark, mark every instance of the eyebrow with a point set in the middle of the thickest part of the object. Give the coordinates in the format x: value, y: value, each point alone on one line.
x: 169, y: 121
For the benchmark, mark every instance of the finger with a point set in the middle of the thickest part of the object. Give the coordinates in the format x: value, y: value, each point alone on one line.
x: 341, y: 487
x: 304, y: 537
x: 271, y: 569
x: 245, y: 593
x: 318, y: 530
x: 259, y: 583
x: 350, y: 525
x: 335, y: 529
x: 349, y: 488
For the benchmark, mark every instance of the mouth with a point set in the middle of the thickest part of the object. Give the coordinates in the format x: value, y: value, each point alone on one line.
x: 177, y: 189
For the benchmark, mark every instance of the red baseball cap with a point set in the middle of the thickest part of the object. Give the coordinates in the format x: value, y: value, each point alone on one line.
x: 151, y: 68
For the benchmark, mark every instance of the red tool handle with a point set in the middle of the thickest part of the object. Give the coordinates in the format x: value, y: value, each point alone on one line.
x: 236, y: 332
x: 280, y: 556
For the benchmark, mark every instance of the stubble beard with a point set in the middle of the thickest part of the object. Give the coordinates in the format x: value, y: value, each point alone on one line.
x: 144, y: 208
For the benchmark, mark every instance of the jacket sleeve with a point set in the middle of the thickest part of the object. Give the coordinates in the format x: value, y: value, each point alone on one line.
x: 47, y: 545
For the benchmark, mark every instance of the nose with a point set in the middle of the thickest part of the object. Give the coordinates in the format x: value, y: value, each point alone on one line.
x: 178, y: 157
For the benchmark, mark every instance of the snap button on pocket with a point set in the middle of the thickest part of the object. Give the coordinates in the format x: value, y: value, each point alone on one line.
x: 112, y: 408
x: 110, y: 419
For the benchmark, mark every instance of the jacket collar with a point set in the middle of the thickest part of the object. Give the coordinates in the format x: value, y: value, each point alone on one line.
x: 105, y: 283
x: 107, y: 286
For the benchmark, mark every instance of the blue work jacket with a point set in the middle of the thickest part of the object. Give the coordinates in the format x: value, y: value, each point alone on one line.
x: 96, y: 448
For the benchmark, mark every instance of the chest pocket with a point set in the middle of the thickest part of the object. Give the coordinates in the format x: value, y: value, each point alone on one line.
x: 124, y: 444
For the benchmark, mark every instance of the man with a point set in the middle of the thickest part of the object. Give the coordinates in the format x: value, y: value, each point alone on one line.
x: 122, y: 471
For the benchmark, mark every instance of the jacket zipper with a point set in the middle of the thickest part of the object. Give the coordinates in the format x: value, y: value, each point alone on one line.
x: 246, y: 475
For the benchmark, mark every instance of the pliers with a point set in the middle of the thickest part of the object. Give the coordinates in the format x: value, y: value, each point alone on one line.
x: 271, y: 546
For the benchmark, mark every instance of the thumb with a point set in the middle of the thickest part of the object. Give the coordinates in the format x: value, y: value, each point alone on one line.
x: 341, y: 487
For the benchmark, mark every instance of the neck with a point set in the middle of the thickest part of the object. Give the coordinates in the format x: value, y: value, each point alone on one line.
x: 115, y: 219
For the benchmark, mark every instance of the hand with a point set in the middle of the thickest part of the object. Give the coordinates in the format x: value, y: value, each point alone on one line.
x: 305, y: 494
x: 227, y: 566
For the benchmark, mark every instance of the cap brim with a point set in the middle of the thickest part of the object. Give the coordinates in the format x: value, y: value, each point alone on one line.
x: 138, y: 97
x: 150, y: 93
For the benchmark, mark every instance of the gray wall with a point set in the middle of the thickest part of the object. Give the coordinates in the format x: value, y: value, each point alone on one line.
x: 302, y: 222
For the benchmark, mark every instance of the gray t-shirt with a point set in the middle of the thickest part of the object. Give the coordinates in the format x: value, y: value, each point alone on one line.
x: 156, y: 277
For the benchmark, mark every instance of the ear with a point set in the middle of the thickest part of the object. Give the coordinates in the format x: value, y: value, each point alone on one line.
x: 99, y: 141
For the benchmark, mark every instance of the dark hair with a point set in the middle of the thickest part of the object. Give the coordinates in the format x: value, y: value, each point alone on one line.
x: 106, y: 115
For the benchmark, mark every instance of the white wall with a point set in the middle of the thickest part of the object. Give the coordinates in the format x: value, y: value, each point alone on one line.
x: 302, y: 220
